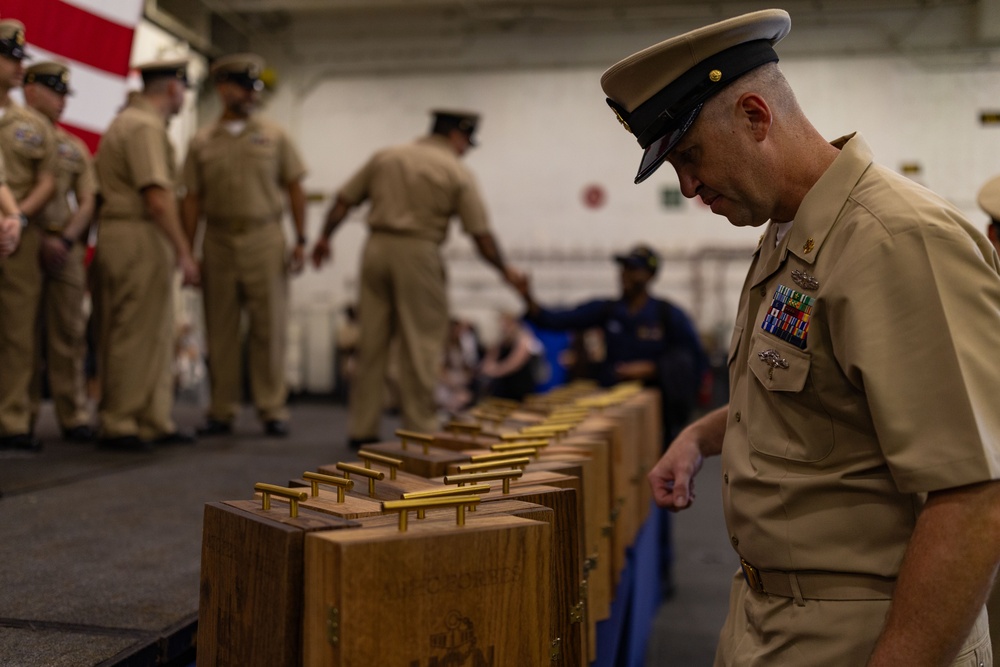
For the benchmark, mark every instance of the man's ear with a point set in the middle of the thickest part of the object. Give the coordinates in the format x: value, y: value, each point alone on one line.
x: 757, y: 113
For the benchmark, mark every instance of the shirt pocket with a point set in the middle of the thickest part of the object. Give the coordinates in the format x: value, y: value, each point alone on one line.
x: 786, y: 418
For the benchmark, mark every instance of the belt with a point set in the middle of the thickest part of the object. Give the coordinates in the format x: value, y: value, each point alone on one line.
x: 818, y: 585
x: 239, y: 224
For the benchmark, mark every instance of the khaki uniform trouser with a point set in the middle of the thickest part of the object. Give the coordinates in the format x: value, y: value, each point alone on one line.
x: 402, y: 294
x: 766, y: 630
x: 246, y: 271
x: 20, y: 296
x: 133, y: 295
x: 66, y: 341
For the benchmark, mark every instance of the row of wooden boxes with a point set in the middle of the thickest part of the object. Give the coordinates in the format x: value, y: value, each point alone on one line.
x: 498, y: 542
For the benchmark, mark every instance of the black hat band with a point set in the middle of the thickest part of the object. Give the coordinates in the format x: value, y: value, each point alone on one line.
x: 53, y: 81
x: 662, y: 112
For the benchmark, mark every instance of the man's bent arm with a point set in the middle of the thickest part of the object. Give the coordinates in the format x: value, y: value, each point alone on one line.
x: 672, y: 478
x: 946, y: 576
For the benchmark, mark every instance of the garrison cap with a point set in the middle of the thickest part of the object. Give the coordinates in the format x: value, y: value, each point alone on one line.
x: 164, y: 69
x: 12, y: 39
x: 657, y: 93
x: 989, y: 198
x: 463, y: 121
x: 50, y: 74
x: 640, y: 257
x: 243, y: 69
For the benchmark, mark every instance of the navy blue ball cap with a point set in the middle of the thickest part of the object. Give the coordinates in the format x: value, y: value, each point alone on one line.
x: 657, y: 93
x: 640, y: 257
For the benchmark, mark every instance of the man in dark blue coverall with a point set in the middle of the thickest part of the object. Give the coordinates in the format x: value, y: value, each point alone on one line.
x: 646, y: 339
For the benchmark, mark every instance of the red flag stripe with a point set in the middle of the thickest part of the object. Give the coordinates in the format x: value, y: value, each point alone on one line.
x: 73, y: 33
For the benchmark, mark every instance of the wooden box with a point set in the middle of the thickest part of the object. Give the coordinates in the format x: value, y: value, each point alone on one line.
x: 437, y: 594
x: 251, y: 602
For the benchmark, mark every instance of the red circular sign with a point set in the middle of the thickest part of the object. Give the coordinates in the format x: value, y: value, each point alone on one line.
x: 594, y: 196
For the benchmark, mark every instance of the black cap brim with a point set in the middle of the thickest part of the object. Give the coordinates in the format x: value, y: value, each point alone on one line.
x: 654, y: 154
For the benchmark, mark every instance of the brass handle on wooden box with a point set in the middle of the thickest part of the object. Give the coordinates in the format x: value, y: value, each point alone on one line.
x: 406, y: 436
x: 503, y: 454
x: 482, y: 466
x: 404, y: 507
x: 464, y: 427
x: 294, y: 496
x: 370, y: 457
x: 446, y: 493
x: 505, y: 475
x: 372, y: 475
x: 316, y: 478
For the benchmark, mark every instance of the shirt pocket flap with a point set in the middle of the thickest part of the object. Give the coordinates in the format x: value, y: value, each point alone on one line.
x: 777, y: 365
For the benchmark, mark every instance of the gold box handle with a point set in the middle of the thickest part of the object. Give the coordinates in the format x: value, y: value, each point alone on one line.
x: 498, y: 464
x: 317, y: 478
x: 473, y: 478
x: 294, y: 496
x: 405, y: 437
x: 371, y: 457
x: 349, y: 468
x: 405, y: 506
x: 446, y: 493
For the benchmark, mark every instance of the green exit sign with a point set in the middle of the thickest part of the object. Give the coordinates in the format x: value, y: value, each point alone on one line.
x: 671, y: 198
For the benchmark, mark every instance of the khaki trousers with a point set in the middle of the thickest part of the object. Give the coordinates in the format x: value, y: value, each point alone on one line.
x: 20, y: 295
x: 134, y: 268
x: 402, y: 294
x: 768, y: 630
x: 66, y: 341
x: 246, y: 272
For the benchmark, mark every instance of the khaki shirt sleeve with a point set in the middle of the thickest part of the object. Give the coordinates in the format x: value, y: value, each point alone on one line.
x: 3, y: 171
x: 470, y: 209
x: 48, y: 161
x: 356, y: 190
x: 86, y: 182
x: 190, y: 173
x: 292, y: 168
x: 919, y: 337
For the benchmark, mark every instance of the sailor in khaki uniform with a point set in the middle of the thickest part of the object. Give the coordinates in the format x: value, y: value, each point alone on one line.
x: 12, y: 221
x: 65, y: 220
x: 861, y: 442
x: 28, y: 146
x: 140, y: 241
x: 237, y: 173
x: 414, y: 190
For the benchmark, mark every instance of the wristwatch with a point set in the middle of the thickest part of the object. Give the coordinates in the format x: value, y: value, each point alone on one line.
x: 301, y: 239
x: 24, y: 220
x: 68, y: 242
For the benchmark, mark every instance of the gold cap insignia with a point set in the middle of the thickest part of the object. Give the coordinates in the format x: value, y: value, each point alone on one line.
x: 715, y: 76
x: 64, y: 77
x: 622, y: 121
x: 19, y: 37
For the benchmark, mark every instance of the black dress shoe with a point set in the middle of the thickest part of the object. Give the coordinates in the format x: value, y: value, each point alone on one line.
x: 81, y: 433
x: 125, y: 443
x: 358, y: 443
x: 215, y: 427
x: 24, y: 442
x: 276, y: 428
x: 175, y: 438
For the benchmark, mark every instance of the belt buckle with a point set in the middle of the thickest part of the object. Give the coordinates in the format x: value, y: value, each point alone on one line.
x: 752, y: 576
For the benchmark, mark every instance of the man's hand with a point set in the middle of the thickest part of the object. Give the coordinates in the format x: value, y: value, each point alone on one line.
x: 321, y: 252
x: 54, y: 252
x: 297, y: 259
x: 10, y: 235
x: 189, y: 270
x: 672, y: 478
x: 514, y: 277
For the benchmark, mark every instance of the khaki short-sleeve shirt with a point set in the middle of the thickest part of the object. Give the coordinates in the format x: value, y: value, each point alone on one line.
x: 29, y: 148
x: 135, y: 153
x: 416, y: 188
x: 861, y: 373
x: 244, y: 174
x: 74, y: 176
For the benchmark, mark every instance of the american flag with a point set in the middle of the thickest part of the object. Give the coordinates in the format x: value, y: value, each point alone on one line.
x: 95, y: 38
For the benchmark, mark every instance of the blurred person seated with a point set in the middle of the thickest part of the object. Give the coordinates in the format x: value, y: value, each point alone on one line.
x: 514, y: 365
x: 457, y: 388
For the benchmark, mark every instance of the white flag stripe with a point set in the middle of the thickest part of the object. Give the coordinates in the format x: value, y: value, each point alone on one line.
x: 124, y: 12
x: 97, y: 94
